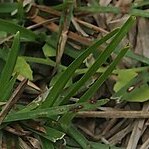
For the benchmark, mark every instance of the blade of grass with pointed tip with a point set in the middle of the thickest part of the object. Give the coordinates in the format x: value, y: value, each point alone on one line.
x: 66, y: 75
x: 91, y: 91
x: 11, y: 61
x: 10, y: 27
x: 101, y: 58
x: 53, y: 111
x: 66, y: 119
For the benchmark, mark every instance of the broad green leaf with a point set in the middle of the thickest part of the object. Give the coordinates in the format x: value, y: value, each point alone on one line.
x: 124, y: 77
x: 48, y: 50
x: 67, y: 74
x: 11, y: 61
x: 135, y: 90
x: 23, y: 68
x: 140, y: 94
x: 12, y: 28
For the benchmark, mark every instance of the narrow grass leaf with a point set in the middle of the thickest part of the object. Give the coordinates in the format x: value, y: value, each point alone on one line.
x: 91, y: 91
x: 12, y: 28
x: 66, y: 75
x: 137, y: 57
x: 6, y: 91
x: 11, y: 61
x: 101, y: 58
x: 50, y: 133
x: 140, y: 13
x: 66, y: 119
x: 53, y: 111
x: 78, y: 137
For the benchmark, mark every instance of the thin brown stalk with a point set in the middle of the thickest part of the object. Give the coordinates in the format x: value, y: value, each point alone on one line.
x: 54, y: 28
x: 13, y: 99
x: 114, y: 114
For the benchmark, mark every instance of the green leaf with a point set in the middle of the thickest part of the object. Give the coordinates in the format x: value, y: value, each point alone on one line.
x: 12, y: 28
x: 48, y: 50
x: 79, y: 138
x: 67, y: 74
x: 91, y: 91
x: 8, y: 7
x: 7, y: 89
x: 11, y: 61
x: 102, y: 57
x: 140, y: 94
x: 46, y: 143
x: 66, y: 119
x: 136, y: 90
x: 124, y: 76
x: 56, y: 77
x: 50, y: 133
x: 23, y: 68
x: 53, y: 111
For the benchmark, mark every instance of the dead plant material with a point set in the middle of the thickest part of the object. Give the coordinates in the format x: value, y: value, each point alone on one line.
x: 13, y: 99
x: 114, y: 114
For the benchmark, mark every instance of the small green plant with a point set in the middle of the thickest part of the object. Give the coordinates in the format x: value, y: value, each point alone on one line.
x: 55, y: 108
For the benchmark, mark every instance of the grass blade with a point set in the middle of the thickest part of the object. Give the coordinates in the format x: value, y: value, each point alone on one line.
x: 6, y: 91
x: 79, y: 138
x: 11, y: 61
x: 102, y: 58
x: 8, y: 7
x: 66, y: 119
x: 103, y: 77
x: 66, y: 75
x: 53, y: 111
x: 10, y: 27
